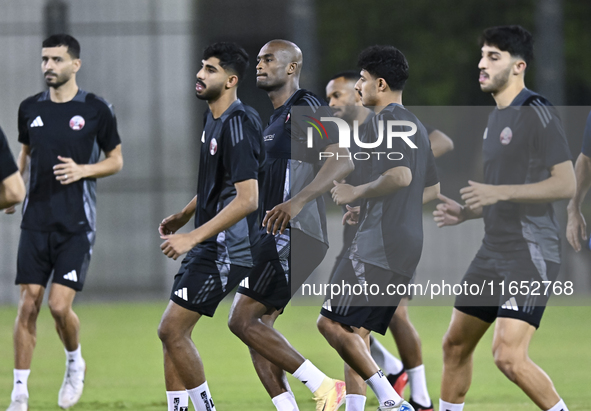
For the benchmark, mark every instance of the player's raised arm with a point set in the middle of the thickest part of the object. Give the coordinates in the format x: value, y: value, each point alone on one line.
x: 430, y: 193
x: 440, y: 143
x: 173, y: 223
x: 68, y: 171
x: 389, y: 182
x: 450, y: 212
x: 245, y: 202
x: 560, y: 185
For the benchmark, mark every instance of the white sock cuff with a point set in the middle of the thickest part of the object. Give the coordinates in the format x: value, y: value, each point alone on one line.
x: 302, y: 368
x: 560, y: 406
x: 21, y: 373
x: 285, y: 402
x: 181, y: 397
x: 355, y: 402
x: 201, y: 403
x: 75, y: 352
x: 310, y: 375
x: 416, y: 369
x: 448, y: 406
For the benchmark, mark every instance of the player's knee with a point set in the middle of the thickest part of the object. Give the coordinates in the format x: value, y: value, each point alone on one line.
x: 454, y: 347
x: 508, y: 361
x: 59, y: 310
x: 325, y: 326
x: 28, y: 310
x: 238, y: 325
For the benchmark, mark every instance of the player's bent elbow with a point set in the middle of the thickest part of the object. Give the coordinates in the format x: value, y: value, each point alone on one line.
x: 12, y: 191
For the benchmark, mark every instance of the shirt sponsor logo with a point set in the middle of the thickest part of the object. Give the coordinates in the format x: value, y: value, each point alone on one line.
x: 77, y: 123
x: 270, y: 137
x: 213, y: 146
x: 506, y: 136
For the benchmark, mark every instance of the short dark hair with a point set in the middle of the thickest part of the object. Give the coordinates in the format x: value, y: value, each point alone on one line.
x: 350, y: 75
x: 64, y: 40
x: 514, y: 39
x: 385, y: 62
x: 232, y: 57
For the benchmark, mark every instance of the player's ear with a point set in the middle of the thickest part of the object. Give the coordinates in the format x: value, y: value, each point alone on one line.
x: 291, y: 69
x: 382, y: 85
x: 519, y: 67
x: 232, y: 81
x: 76, y: 64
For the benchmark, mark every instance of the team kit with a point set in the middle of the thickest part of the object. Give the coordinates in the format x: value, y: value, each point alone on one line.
x: 260, y: 225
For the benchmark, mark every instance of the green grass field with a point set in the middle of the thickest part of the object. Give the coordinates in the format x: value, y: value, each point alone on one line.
x: 124, y: 362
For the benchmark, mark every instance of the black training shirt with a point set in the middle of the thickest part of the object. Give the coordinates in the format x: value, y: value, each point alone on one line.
x: 522, y: 143
x: 78, y: 129
x: 231, y: 152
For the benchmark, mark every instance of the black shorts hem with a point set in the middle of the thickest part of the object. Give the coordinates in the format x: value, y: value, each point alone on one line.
x: 259, y: 298
x: 196, y: 309
x: 349, y: 320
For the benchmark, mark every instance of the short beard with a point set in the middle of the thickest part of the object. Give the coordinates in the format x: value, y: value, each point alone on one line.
x: 58, y: 81
x: 498, y: 82
x: 209, y: 93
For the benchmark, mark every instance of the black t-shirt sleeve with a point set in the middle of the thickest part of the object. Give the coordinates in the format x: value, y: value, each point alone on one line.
x: 429, y: 128
x: 587, y: 137
x: 242, y: 149
x: 431, y: 177
x: 7, y: 164
x: 23, y: 130
x: 107, y: 134
x: 549, y: 136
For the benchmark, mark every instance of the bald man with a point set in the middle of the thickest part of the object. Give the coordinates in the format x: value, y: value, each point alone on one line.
x: 289, y: 229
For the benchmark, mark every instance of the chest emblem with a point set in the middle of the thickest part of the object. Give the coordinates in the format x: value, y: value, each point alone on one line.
x: 77, y: 123
x: 506, y: 136
x: 213, y: 146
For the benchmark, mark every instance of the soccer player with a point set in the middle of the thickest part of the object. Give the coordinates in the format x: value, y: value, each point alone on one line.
x: 292, y: 192
x: 576, y: 227
x: 346, y: 104
x: 63, y: 131
x: 388, y: 243
x: 12, y: 187
x: 220, y: 248
x: 527, y: 165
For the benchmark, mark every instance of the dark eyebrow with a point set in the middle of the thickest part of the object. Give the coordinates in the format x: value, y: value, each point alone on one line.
x: 209, y: 66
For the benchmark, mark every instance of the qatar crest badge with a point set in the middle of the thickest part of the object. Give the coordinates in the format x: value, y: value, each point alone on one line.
x: 77, y: 123
x: 506, y: 136
x: 213, y: 146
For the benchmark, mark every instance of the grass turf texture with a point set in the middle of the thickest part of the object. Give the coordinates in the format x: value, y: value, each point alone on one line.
x: 124, y: 359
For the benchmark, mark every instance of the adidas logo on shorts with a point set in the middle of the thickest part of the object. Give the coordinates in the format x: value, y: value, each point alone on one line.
x: 244, y: 283
x: 182, y: 293
x: 511, y: 304
x: 71, y: 276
